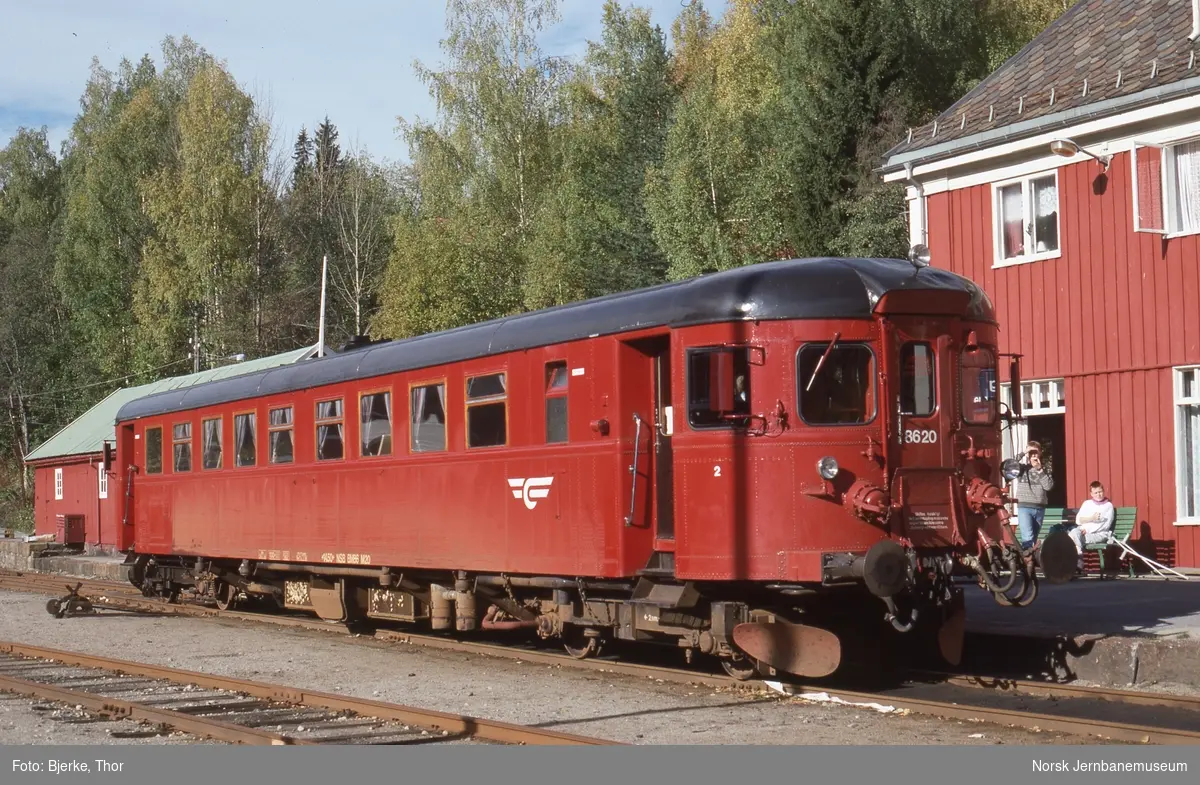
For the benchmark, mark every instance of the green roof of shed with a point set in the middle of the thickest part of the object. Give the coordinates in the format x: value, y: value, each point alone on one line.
x: 88, y: 432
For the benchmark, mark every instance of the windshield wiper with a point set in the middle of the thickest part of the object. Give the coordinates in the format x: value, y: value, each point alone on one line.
x: 817, y: 370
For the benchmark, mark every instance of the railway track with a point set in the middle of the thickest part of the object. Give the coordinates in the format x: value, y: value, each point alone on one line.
x: 1117, y: 715
x: 240, y: 711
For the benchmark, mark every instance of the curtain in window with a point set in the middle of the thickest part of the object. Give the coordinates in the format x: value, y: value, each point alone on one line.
x: 1045, y: 215
x: 365, y: 404
x: 1187, y: 185
x: 1012, y: 214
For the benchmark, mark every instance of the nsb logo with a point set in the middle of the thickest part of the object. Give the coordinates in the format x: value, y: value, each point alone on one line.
x: 530, y: 490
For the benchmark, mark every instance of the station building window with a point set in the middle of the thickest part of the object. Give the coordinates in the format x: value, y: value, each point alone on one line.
x: 212, y: 443
x: 279, y: 429
x: 487, y: 412
x: 154, y: 451
x: 835, y: 383
x: 181, y: 442
x: 718, y: 387
x: 375, y: 423
x: 244, y: 437
x: 1187, y: 444
x: 330, y: 430
x: 427, y: 418
x: 556, y: 402
x: 58, y: 483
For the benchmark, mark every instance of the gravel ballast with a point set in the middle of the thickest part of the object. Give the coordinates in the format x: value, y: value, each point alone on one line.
x: 621, y: 708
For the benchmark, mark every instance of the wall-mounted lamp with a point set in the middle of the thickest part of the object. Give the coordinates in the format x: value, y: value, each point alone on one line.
x: 1067, y: 149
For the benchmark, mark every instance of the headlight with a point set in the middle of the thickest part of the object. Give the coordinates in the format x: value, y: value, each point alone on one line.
x: 828, y: 468
x: 1010, y: 469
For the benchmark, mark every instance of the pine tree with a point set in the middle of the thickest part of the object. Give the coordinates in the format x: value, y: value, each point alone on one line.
x: 302, y: 153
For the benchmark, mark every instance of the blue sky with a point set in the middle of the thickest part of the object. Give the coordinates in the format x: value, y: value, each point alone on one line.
x: 304, y: 59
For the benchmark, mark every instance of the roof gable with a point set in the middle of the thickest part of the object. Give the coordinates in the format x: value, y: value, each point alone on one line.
x: 1096, y: 52
x: 87, y: 433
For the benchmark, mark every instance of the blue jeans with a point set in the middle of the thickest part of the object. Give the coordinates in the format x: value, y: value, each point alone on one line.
x: 1029, y: 523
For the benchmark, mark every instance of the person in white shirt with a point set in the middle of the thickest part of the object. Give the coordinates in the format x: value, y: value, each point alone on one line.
x: 1094, y: 520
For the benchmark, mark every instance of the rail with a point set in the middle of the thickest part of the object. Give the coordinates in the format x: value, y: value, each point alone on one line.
x: 240, y: 711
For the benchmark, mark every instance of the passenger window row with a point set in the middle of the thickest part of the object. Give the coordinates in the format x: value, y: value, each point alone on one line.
x: 486, y: 420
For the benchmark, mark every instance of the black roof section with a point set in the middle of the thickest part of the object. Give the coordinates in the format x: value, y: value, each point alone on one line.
x: 793, y: 289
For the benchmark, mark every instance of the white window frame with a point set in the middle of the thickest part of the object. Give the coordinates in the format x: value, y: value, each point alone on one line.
x: 1167, y: 188
x: 1178, y: 402
x: 1026, y: 183
x: 58, y: 484
x: 1046, y: 395
x: 103, y: 480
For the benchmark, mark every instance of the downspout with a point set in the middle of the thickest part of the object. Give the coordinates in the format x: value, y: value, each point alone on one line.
x: 1195, y: 20
x: 918, y: 230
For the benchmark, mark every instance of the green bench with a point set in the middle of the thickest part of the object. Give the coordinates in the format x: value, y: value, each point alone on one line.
x: 1064, y: 518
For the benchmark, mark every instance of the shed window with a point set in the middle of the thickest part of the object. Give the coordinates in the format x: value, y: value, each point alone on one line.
x: 375, y: 419
x: 556, y: 402
x: 487, y: 418
x: 154, y: 451
x: 58, y: 484
x: 212, y: 443
x: 918, y: 391
x: 102, y: 479
x: 718, y: 388
x: 427, y: 417
x: 244, y: 437
x: 279, y: 427
x: 181, y: 439
x: 330, y: 431
x: 836, y: 384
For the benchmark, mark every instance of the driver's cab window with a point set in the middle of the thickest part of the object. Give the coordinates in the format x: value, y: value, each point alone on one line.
x: 718, y: 388
x: 835, y: 383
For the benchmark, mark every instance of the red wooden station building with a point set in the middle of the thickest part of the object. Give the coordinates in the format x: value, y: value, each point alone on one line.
x: 1067, y: 184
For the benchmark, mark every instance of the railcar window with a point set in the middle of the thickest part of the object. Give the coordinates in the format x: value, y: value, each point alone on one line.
x: 427, y: 416
x: 556, y: 402
x: 977, y: 369
x: 244, y: 438
x: 212, y: 443
x: 918, y: 392
x: 840, y: 390
x: 154, y: 452
x: 181, y: 441
x: 375, y: 418
x: 330, y: 430
x: 279, y: 425
x: 487, y: 418
x: 719, y: 388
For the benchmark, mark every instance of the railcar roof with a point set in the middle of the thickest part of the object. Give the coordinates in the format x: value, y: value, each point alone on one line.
x: 793, y: 289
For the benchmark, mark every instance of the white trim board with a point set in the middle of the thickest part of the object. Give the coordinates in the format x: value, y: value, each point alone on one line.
x: 938, y: 176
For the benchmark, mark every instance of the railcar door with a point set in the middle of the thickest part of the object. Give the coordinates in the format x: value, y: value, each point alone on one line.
x: 645, y: 370
x: 921, y: 403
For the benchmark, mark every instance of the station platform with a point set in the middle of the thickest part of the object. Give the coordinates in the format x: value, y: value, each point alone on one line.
x: 16, y: 554
x: 1119, y: 632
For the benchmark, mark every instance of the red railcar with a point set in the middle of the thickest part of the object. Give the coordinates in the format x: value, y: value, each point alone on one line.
x: 706, y: 463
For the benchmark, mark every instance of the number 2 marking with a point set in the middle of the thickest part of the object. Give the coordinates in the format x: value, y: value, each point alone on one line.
x: 716, y: 471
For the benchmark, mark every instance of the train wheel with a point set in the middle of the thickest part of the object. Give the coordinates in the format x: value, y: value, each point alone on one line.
x: 579, y: 644
x: 742, y: 669
x: 227, y: 596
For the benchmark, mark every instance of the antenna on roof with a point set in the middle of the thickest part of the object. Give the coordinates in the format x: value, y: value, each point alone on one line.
x: 321, y: 325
